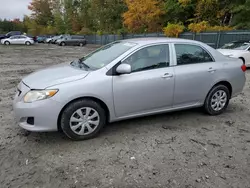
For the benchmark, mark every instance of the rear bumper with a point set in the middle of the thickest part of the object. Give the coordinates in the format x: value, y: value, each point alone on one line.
x: 238, y: 85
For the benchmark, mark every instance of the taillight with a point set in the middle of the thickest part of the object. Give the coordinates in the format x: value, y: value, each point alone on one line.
x: 243, y: 68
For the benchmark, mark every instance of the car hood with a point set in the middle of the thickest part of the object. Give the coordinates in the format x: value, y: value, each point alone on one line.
x: 54, y: 75
x: 229, y: 51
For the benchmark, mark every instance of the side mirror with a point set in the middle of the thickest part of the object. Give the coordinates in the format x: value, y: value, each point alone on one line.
x: 124, y: 69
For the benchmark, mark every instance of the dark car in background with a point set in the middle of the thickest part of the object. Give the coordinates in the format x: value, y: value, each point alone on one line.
x: 10, y: 34
x: 2, y: 36
x: 72, y: 40
x: 13, y: 33
x: 41, y: 39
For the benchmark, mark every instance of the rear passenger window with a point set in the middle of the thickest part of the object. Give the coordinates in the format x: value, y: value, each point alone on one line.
x: 190, y: 54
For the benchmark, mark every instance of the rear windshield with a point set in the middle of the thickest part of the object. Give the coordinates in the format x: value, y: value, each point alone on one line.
x: 106, y: 54
x: 236, y: 46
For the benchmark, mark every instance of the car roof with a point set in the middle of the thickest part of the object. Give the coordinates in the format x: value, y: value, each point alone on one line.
x: 152, y: 40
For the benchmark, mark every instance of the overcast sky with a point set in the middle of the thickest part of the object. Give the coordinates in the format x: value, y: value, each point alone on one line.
x: 11, y: 9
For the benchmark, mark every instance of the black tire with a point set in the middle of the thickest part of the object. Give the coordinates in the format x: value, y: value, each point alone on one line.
x: 28, y: 43
x: 81, y: 44
x: 63, y: 44
x: 7, y: 43
x: 208, y: 106
x: 71, y: 108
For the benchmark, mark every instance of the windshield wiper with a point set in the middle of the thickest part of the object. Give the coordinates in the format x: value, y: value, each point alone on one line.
x: 81, y: 62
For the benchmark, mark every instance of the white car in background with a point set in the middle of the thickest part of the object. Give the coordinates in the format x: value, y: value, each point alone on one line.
x: 48, y: 40
x: 237, y: 49
x: 18, y: 39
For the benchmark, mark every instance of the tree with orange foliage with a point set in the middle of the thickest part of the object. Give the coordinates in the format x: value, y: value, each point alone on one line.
x: 143, y: 16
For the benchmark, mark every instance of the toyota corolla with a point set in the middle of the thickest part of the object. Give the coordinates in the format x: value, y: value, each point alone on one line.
x: 127, y: 79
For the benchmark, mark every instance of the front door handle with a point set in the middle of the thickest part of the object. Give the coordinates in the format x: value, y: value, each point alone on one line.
x: 211, y: 69
x: 167, y: 75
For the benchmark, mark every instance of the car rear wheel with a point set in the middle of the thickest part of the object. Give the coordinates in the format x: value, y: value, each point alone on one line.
x: 7, y: 43
x: 217, y: 100
x: 83, y: 119
x: 81, y: 44
x: 28, y: 43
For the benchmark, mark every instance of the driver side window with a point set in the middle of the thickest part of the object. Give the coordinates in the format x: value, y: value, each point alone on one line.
x: 152, y: 57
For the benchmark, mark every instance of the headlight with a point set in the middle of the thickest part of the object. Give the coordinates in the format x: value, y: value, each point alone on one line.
x: 37, y: 95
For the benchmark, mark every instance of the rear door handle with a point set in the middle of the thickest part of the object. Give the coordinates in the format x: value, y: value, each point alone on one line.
x: 167, y: 75
x: 211, y: 69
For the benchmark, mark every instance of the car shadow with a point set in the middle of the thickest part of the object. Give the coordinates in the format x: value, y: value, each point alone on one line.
x: 160, y: 119
x: 172, y: 121
x: 125, y: 126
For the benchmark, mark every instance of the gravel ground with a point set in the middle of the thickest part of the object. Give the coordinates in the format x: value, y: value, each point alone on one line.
x: 182, y: 149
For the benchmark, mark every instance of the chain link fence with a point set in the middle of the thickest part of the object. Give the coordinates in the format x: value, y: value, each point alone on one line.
x: 214, y: 39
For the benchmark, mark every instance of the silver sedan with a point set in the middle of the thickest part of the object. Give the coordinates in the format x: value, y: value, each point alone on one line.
x: 18, y: 39
x: 127, y: 79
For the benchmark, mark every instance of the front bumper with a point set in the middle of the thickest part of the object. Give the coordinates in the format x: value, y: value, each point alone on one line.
x: 45, y: 113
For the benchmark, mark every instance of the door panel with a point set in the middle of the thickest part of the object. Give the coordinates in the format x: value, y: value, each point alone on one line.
x: 149, y: 87
x: 75, y: 42
x: 143, y: 91
x: 22, y: 40
x: 14, y: 41
x: 193, y: 82
x: 195, y: 74
x: 18, y: 40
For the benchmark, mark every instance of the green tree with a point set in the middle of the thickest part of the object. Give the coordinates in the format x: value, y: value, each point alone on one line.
x: 41, y: 12
x: 179, y: 11
x: 106, y: 14
x: 240, y: 17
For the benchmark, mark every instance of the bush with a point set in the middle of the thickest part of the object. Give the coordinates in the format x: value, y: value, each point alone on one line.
x: 220, y: 28
x: 122, y: 31
x: 173, y: 30
x: 99, y: 32
x: 198, y: 27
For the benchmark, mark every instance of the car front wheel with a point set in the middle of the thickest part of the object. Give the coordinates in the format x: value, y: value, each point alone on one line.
x: 83, y: 119
x: 217, y: 100
x: 7, y: 43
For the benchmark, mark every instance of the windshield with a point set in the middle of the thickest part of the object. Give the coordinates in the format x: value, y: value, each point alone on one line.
x: 104, y: 55
x: 236, y: 45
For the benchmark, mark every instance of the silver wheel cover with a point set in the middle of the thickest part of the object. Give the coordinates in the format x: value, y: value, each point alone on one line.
x: 84, y: 121
x: 218, y: 100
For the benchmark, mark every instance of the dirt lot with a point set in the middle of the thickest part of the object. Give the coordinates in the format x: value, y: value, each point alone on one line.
x: 182, y: 149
